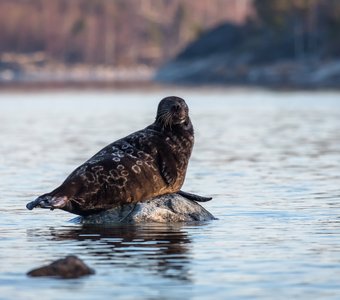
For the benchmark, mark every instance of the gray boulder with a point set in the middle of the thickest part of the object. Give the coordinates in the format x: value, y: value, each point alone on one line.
x: 170, y: 208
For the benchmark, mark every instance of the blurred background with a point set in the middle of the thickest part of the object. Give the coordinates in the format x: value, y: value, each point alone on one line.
x: 292, y: 43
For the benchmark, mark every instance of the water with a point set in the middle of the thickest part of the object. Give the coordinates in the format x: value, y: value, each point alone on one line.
x: 270, y: 160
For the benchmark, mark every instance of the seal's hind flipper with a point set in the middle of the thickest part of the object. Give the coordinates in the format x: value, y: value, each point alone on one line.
x: 42, y: 201
x: 194, y: 197
x: 47, y: 201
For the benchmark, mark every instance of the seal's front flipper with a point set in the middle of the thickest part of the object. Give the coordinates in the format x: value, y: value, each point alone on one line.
x: 194, y: 197
x: 168, y: 168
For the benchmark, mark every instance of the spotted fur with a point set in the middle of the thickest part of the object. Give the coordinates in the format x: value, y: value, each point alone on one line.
x: 143, y: 165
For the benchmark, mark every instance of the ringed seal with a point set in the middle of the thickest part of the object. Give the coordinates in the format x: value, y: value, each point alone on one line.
x: 143, y: 165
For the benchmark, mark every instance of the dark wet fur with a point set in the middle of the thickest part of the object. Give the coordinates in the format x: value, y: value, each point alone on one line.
x: 154, y: 160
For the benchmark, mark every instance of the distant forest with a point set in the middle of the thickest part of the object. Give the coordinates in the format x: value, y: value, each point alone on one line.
x: 150, y: 32
x: 313, y: 25
x: 115, y: 32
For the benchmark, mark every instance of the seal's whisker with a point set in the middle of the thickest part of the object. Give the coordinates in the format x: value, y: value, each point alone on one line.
x: 167, y: 120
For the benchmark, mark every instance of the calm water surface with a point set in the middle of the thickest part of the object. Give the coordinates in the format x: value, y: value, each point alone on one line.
x: 270, y: 160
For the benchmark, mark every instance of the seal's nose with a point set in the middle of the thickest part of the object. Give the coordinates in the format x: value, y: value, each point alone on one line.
x: 176, y: 107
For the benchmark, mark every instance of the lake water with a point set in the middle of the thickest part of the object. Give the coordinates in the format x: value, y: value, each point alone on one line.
x: 270, y: 160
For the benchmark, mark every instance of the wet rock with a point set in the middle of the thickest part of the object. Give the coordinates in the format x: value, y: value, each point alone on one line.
x: 164, y: 209
x: 69, y: 267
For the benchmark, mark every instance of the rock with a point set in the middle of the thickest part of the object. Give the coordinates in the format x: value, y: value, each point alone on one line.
x: 164, y: 209
x: 68, y: 267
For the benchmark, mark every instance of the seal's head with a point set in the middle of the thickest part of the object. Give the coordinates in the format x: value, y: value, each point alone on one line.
x: 172, y: 111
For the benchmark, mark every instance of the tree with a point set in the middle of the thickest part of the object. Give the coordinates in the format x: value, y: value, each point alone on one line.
x: 308, y: 20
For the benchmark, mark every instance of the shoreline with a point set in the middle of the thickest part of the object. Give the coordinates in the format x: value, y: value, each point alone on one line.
x: 34, y: 73
x: 106, y: 85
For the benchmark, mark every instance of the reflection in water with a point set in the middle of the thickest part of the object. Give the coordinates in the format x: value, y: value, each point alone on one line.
x: 163, y: 249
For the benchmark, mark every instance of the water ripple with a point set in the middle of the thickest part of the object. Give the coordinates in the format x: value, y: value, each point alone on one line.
x: 270, y: 160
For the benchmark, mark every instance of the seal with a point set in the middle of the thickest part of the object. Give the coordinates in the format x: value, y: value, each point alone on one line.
x: 141, y: 166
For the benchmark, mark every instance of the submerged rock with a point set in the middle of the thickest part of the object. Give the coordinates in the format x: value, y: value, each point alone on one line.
x: 69, y: 267
x: 164, y: 209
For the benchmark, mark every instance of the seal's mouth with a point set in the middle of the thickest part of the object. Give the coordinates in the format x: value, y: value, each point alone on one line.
x: 179, y: 120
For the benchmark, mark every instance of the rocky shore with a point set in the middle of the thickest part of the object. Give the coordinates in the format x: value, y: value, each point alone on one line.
x: 218, y: 70
x: 36, y: 69
x: 242, y: 55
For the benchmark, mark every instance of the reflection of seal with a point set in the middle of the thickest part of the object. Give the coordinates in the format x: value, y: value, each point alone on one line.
x: 143, y: 165
x: 156, y: 246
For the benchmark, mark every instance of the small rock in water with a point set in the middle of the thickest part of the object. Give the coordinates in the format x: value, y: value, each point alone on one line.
x: 170, y: 208
x: 69, y: 267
